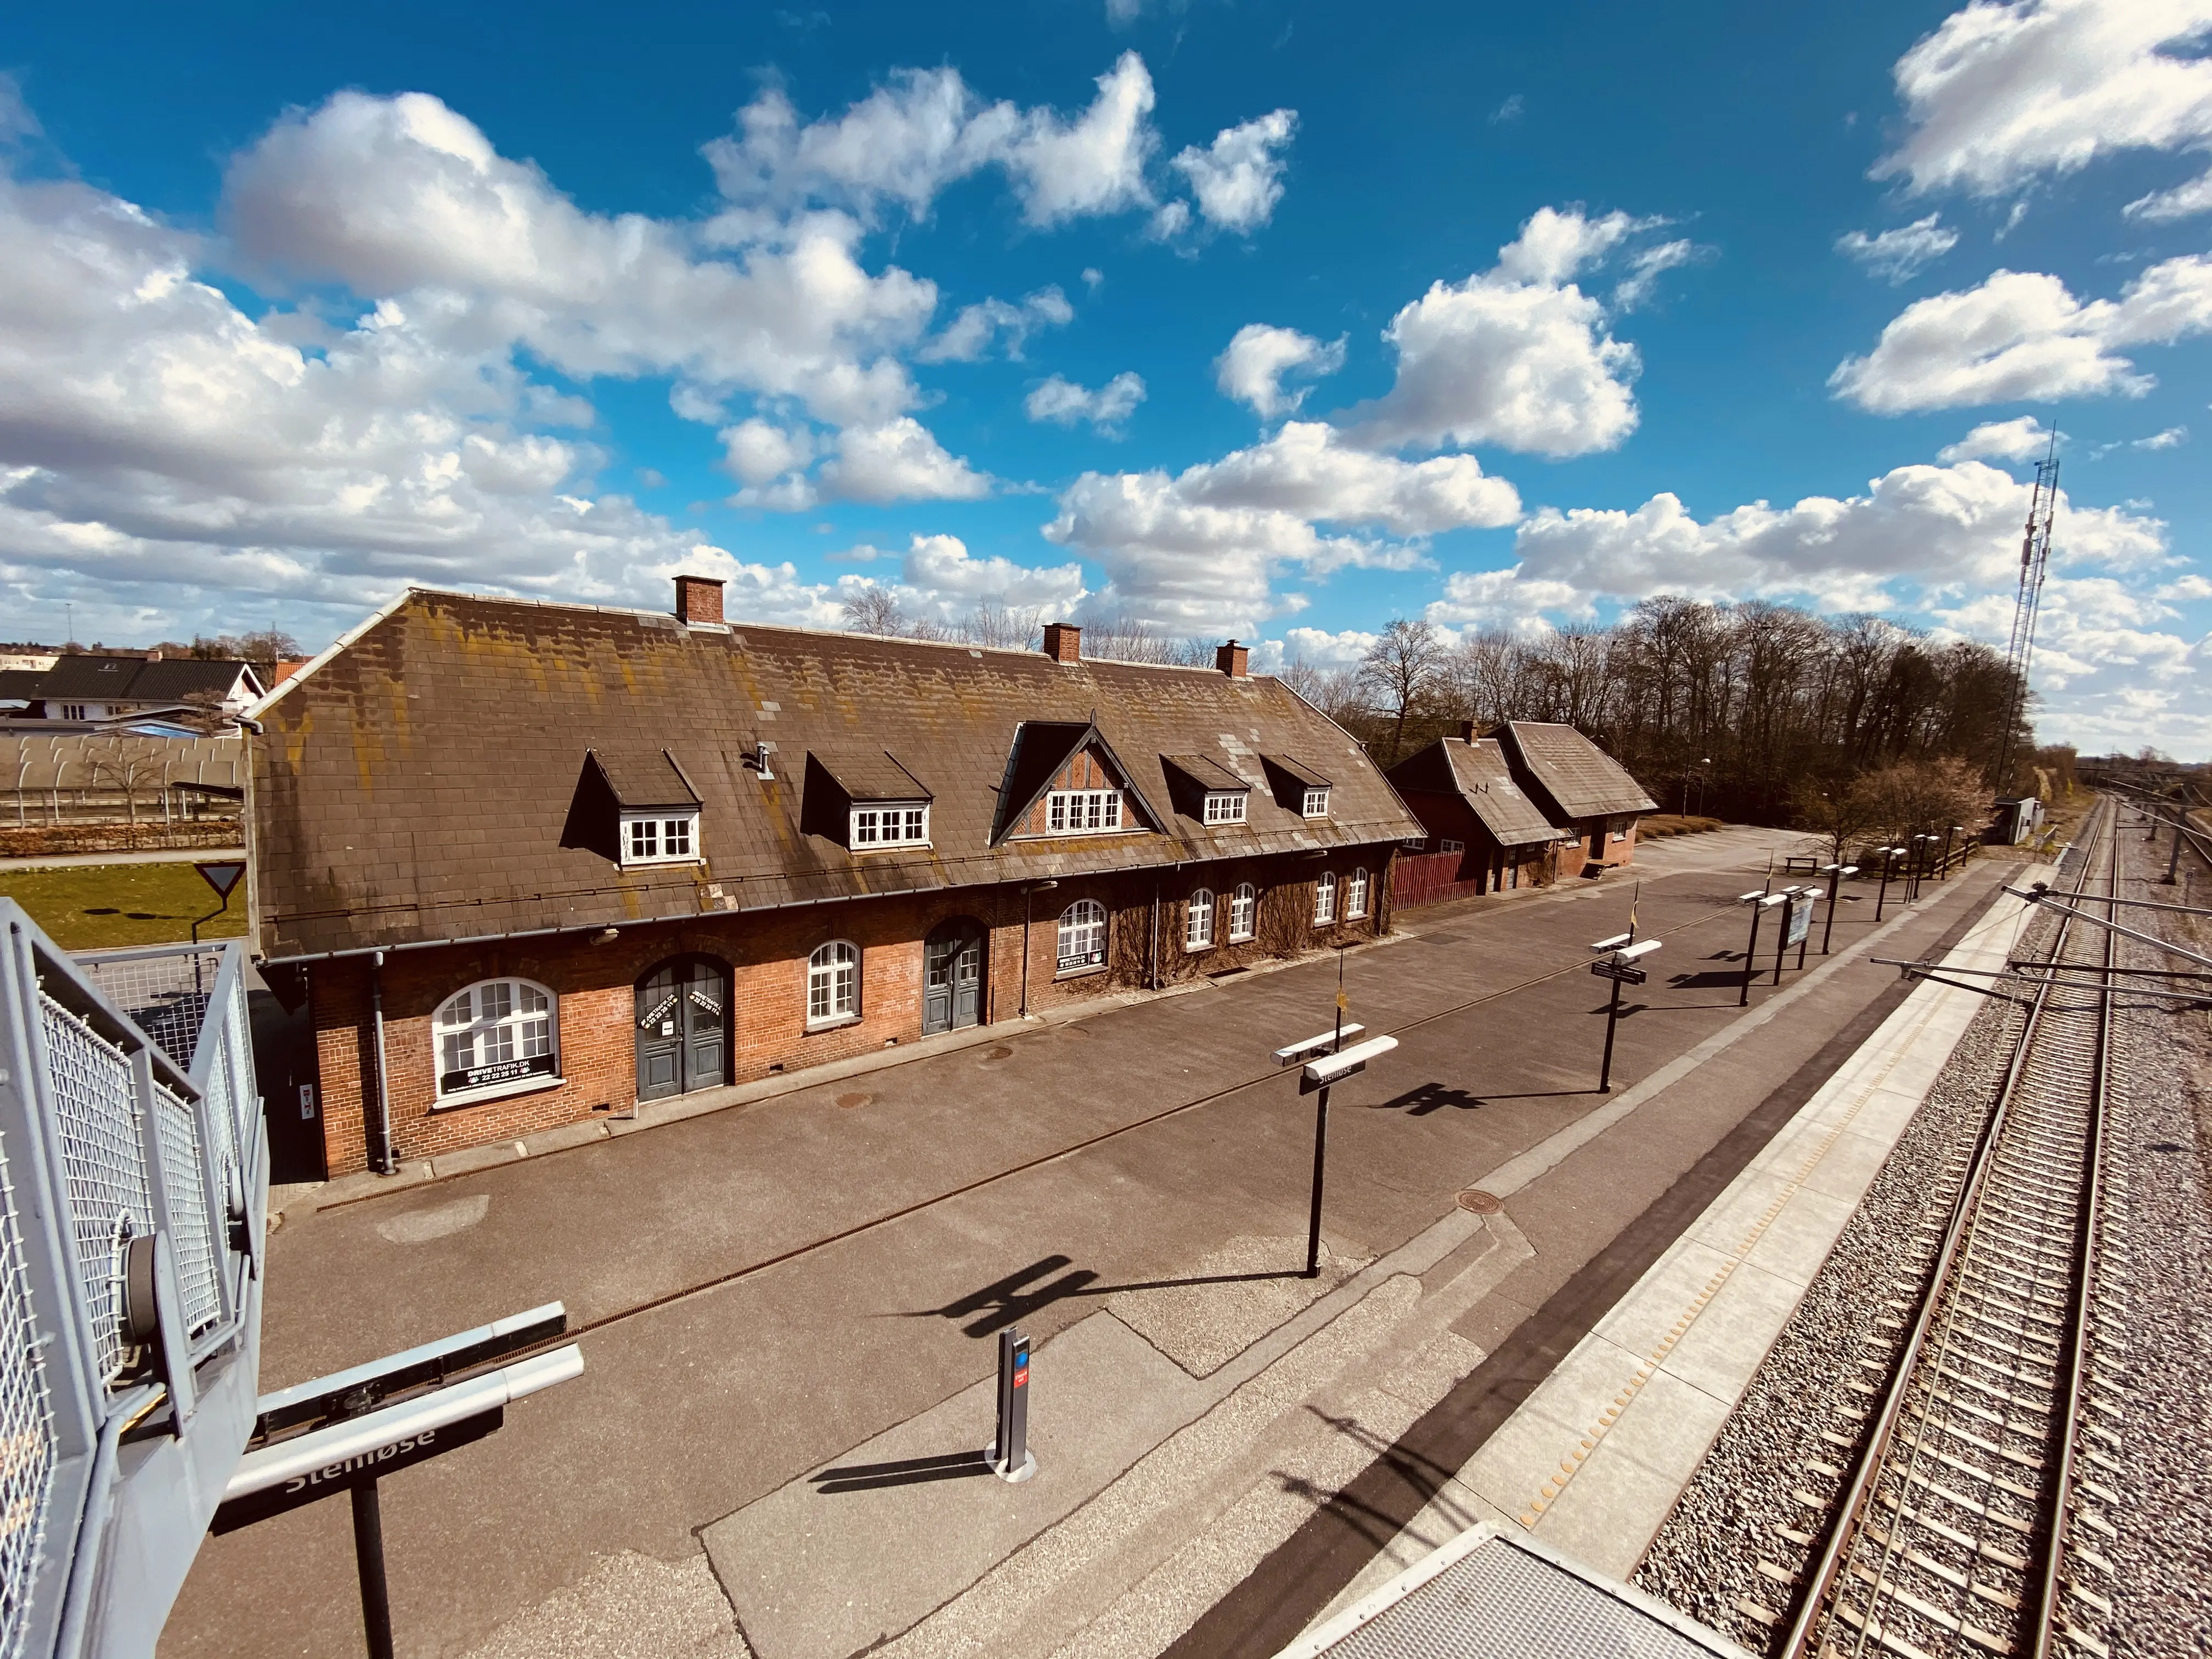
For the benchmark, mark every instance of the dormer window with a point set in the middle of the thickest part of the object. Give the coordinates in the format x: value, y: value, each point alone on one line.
x: 661, y: 837
x: 1224, y: 806
x: 875, y: 827
x: 1075, y: 811
x: 1317, y: 803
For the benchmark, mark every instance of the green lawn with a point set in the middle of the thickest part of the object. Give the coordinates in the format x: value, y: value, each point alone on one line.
x: 101, y: 906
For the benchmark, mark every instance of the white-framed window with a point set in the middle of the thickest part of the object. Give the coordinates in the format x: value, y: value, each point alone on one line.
x: 1448, y: 846
x: 77, y: 711
x: 1071, y: 811
x: 1243, y: 913
x: 1355, y: 894
x: 1620, y: 829
x: 497, y: 1035
x: 660, y: 837
x: 1198, y: 920
x: 1325, y: 898
x: 1224, y: 806
x: 904, y: 825
x: 833, y: 983
x: 1082, y: 936
x: 1415, y: 843
x: 1316, y: 802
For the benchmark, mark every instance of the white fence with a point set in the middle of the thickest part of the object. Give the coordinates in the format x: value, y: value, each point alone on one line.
x: 133, y: 1177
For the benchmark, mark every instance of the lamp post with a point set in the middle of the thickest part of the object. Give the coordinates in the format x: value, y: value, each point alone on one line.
x: 1888, y: 857
x: 1920, y: 862
x: 1759, y: 902
x: 1943, y: 865
x: 1836, y: 873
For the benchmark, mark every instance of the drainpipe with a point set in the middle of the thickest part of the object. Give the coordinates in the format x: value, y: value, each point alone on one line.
x: 1156, y: 929
x: 380, y: 1159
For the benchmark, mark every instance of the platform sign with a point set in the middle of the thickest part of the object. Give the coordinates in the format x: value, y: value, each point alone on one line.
x: 1623, y: 973
x: 312, y: 1487
x: 1800, y: 917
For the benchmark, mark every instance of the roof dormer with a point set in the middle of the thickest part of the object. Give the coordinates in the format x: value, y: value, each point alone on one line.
x: 865, y: 800
x: 1063, y: 778
x: 636, y: 808
x: 1206, y: 790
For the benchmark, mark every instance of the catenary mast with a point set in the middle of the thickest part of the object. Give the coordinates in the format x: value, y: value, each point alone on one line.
x: 2034, y: 560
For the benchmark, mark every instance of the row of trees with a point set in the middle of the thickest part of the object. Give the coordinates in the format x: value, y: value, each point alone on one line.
x: 1733, y: 709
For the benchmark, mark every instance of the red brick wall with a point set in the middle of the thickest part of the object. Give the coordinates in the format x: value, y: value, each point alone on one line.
x: 1572, y: 859
x: 594, y: 984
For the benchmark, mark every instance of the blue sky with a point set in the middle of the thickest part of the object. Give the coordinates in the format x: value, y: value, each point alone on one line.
x: 1260, y: 319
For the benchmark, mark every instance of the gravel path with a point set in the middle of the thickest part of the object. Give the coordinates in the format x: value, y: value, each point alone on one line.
x: 1744, y: 1530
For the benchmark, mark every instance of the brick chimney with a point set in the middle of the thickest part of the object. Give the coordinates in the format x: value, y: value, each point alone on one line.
x: 1233, y: 660
x: 698, y: 600
x: 1469, y: 731
x: 1063, y: 641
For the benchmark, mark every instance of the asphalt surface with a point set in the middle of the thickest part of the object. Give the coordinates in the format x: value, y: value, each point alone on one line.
x: 762, y: 1288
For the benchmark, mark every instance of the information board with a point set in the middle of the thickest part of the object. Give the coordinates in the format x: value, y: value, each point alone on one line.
x: 1801, y: 917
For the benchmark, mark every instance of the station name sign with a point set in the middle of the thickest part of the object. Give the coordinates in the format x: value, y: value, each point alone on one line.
x: 504, y: 1071
x: 1096, y: 958
x: 418, y: 1447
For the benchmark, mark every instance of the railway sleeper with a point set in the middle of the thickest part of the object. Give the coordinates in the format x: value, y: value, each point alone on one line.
x: 1935, y: 1615
x: 1981, y: 1547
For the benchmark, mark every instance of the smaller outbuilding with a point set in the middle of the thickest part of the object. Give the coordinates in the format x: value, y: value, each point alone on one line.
x: 1521, y: 807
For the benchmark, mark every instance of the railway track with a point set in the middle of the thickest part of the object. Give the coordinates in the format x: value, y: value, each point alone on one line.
x: 1971, y: 1520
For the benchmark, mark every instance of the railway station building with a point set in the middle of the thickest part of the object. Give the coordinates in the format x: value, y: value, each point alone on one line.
x: 1528, y: 804
x: 530, y: 862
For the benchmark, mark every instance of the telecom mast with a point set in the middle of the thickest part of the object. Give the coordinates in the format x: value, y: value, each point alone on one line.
x: 2034, y: 560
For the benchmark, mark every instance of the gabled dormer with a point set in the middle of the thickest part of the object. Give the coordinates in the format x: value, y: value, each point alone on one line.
x: 1203, y: 789
x: 1063, y: 779
x: 865, y: 800
x: 1297, y: 786
x: 636, y: 808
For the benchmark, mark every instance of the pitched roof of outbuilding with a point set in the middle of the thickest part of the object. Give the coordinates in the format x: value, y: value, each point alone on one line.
x: 136, y: 679
x: 1583, y: 781
x: 414, y: 784
x: 1477, y: 772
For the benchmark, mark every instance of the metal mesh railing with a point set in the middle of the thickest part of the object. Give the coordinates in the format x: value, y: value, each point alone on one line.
x: 167, y: 993
x: 26, y: 1428
x: 104, y: 1160
x: 191, y: 1234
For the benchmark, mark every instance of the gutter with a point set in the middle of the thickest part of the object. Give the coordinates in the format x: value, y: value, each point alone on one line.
x: 381, y: 1159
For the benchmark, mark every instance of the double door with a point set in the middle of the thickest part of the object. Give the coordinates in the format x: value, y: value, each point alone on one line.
x: 952, y: 977
x: 682, y: 1028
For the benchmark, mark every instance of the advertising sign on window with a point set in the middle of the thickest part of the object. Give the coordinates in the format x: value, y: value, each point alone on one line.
x: 499, y: 1071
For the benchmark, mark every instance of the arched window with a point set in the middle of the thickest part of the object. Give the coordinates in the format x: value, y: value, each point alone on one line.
x: 497, y: 1034
x: 1243, y: 913
x: 1325, y: 898
x: 833, y: 983
x: 1198, y: 920
x: 1082, y: 936
x: 1355, y: 894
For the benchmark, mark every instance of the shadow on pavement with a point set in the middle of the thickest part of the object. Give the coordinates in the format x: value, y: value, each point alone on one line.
x: 1007, y: 1302
x: 907, y: 1472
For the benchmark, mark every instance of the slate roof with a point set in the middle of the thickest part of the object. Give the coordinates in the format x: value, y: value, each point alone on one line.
x: 645, y: 778
x: 21, y: 684
x: 83, y: 678
x: 414, y: 782
x: 1583, y: 781
x: 871, y: 774
x: 1478, y: 773
x: 1208, y: 773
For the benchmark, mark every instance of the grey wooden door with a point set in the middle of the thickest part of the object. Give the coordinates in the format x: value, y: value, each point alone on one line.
x: 682, y: 1028
x: 952, y: 978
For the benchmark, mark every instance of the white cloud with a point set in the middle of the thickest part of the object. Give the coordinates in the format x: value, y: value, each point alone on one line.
x: 2022, y: 335
x: 2023, y: 438
x: 1238, y: 178
x: 1518, y: 355
x: 2002, y: 94
x: 1505, y: 598
x: 969, y: 336
x: 755, y: 451
x: 1644, y: 270
x: 899, y: 461
x: 1260, y: 355
x: 1902, y: 252
x: 924, y: 129
x: 1323, y: 649
x: 1064, y: 402
x: 942, y: 574
x: 17, y: 121
x: 1917, y: 530
x: 2172, y: 438
x: 1197, y: 552
x: 402, y: 197
x: 1512, y: 110
x: 2184, y: 201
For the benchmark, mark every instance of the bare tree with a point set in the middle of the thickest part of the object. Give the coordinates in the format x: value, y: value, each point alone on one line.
x: 872, y: 609
x: 995, y: 622
x: 128, y: 765
x: 1403, y: 667
x: 1337, y: 692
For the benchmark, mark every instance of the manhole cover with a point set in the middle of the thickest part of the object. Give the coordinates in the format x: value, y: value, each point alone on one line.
x: 1476, y: 1201
x: 1001, y: 1052
x: 854, y: 1100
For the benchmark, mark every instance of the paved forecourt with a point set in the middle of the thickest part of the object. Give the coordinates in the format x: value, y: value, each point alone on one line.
x: 796, y: 1284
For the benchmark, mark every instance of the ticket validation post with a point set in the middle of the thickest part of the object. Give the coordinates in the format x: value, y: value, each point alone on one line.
x: 1619, y: 964
x: 358, y: 1439
x: 1012, y: 1461
x: 1835, y: 873
x: 1327, y: 1063
x: 1760, y: 904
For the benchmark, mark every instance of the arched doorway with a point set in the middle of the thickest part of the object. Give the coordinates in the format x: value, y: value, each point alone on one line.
x: 683, y: 1027
x: 952, y: 976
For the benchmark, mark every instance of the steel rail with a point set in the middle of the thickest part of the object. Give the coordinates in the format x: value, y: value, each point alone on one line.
x: 2088, y: 1239
x: 1849, y: 1513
